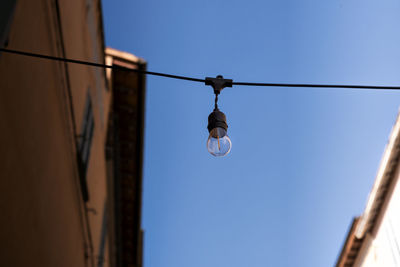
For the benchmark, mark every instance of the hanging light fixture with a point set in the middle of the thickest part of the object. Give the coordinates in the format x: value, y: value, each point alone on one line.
x: 218, y: 143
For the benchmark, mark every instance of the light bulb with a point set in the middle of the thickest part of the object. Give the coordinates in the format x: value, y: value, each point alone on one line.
x: 219, y: 144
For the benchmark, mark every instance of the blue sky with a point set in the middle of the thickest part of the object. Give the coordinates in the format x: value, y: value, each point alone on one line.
x: 303, y: 160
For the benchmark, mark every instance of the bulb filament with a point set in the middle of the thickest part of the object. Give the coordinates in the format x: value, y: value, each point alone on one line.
x: 219, y: 145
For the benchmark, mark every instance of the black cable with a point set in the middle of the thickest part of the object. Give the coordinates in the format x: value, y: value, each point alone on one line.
x: 200, y: 80
x: 318, y: 85
x: 99, y: 65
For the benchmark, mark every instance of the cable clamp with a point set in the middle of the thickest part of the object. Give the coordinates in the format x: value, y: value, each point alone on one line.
x: 218, y: 83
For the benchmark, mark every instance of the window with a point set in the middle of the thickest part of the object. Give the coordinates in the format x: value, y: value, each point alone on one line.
x: 85, y: 141
x: 7, y: 8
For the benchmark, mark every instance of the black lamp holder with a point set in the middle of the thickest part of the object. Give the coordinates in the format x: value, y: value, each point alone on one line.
x: 217, y: 118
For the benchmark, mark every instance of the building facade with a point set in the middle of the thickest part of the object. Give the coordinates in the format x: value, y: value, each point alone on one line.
x: 374, y: 237
x: 71, y: 161
x: 124, y: 157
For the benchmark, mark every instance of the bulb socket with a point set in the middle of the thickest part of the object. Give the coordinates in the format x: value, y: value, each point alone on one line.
x: 217, y: 119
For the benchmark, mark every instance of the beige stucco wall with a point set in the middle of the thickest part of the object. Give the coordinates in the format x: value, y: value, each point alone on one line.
x: 44, y: 221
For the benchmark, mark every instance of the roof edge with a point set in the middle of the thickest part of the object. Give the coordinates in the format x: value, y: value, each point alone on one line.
x: 125, y: 55
x: 385, y: 168
x: 349, y: 245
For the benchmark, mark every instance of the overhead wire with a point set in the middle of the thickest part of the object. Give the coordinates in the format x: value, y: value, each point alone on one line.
x: 172, y: 76
x: 99, y: 65
x: 345, y: 86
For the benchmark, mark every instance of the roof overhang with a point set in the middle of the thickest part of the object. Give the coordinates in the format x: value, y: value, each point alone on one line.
x: 383, y: 182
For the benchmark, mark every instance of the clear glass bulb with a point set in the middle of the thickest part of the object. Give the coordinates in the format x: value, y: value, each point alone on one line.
x: 219, y: 144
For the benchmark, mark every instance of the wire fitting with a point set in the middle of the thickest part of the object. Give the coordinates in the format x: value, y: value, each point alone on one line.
x: 218, y: 83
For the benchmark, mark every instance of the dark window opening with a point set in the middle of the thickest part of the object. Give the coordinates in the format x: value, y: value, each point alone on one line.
x: 85, y: 142
x: 7, y: 8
